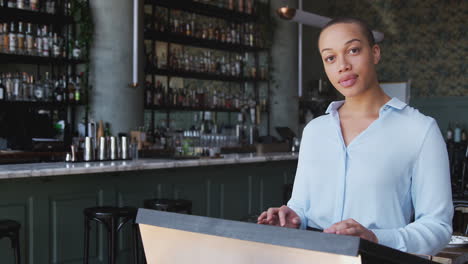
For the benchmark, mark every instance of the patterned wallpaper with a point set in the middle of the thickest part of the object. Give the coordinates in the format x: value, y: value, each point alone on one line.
x: 425, y: 41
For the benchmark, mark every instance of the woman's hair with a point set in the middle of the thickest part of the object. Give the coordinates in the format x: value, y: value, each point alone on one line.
x: 352, y: 20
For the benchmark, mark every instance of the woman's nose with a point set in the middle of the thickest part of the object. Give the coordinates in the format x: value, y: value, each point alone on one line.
x: 344, y: 66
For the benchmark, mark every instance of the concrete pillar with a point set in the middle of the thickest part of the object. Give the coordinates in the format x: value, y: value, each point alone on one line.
x: 111, y: 99
x: 284, y: 97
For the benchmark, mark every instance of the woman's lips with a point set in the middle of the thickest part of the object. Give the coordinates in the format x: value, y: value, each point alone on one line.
x: 348, y: 81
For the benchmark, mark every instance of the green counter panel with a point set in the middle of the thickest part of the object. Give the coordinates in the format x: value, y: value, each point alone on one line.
x: 50, y: 209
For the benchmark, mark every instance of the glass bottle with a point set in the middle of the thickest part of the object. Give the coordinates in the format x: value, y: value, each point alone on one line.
x: 45, y: 42
x: 20, y: 38
x: 47, y: 88
x: 38, y: 43
x: 39, y: 90
x: 12, y: 36
x: 77, y: 50
x: 29, y: 40
x: 6, y: 38
x: 77, y: 89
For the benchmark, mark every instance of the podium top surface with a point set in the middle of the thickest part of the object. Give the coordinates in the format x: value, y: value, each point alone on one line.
x: 287, y: 237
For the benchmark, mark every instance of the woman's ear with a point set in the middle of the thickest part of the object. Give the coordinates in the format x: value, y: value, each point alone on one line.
x: 376, y: 53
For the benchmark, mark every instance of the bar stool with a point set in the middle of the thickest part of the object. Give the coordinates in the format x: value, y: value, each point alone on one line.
x: 110, y: 216
x: 169, y: 205
x: 10, y: 229
x: 287, y: 192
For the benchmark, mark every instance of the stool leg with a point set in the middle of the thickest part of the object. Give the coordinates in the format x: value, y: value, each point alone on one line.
x: 135, y: 242
x: 112, y: 240
x: 15, y: 244
x: 86, y: 240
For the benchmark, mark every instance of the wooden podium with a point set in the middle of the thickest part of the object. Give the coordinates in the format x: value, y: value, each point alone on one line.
x: 170, y: 238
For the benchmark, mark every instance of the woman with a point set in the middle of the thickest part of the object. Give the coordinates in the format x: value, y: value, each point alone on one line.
x: 372, y: 167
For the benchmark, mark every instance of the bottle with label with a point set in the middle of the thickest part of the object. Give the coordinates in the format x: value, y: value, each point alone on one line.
x: 21, y: 39
x: 29, y: 40
x: 47, y: 88
x: 58, y: 93
x: 71, y: 87
x: 38, y: 43
x: 12, y: 3
x: 45, y: 42
x: 6, y: 38
x: 20, y: 4
x: 34, y: 5
x: 39, y: 90
x: 76, y: 50
x: 57, y: 51
x: 12, y: 36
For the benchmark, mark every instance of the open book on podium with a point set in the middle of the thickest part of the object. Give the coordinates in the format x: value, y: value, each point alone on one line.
x: 170, y: 238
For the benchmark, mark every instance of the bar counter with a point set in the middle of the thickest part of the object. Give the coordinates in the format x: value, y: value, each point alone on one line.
x: 48, y: 199
x: 69, y: 168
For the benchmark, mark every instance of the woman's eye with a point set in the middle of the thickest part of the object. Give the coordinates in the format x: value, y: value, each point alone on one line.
x: 354, y: 50
x: 329, y: 58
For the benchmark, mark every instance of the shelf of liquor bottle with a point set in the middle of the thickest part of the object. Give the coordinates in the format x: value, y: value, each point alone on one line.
x: 205, y: 9
x: 14, y: 14
x: 29, y: 59
x: 38, y: 104
x: 201, y: 43
x: 202, y: 76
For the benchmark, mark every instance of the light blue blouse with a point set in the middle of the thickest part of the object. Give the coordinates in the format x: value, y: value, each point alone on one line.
x: 395, y: 169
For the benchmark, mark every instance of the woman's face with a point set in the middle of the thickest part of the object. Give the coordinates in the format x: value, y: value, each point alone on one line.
x: 348, y: 59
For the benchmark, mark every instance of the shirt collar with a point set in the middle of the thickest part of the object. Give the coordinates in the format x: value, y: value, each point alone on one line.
x: 394, y: 102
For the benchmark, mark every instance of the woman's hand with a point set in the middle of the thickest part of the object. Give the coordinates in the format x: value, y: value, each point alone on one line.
x: 350, y: 227
x: 280, y: 216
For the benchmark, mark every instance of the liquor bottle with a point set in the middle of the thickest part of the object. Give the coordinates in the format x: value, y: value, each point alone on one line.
x: 16, y: 87
x: 449, y: 135
x: 45, y: 42
x: 56, y: 50
x: 231, y: 4
x: 38, y: 43
x: 12, y: 36
x: 76, y: 50
x: 29, y: 40
x: 58, y: 92
x: 148, y: 94
x: 39, y: 90
x: 2, y: 89
x: 240, y: 5
x: 20, y: 4
x: 25, y: 92
x: 34, y: 5
x: 12, y: 3
x: 21, y: 39
x: 47, y: 87
x: 31, y: 88
x: 5, y: 39
x: 50, y: 6
x: 77, y: 89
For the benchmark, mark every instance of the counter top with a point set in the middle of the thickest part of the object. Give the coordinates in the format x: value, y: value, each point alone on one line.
x: 63, y: 168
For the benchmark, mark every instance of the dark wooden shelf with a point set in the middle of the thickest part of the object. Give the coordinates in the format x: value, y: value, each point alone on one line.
x: 186, y: 108
x: 204, y: 9
x: 28, y: 59
x: 14, y: 14
x: 38, y: 104
x: 196, y: 42
x: 201, y: 76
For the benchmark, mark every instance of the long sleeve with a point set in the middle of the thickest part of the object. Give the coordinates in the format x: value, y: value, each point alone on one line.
x: 299, y: 197
x: 432, y: 200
